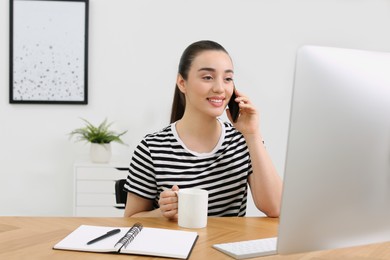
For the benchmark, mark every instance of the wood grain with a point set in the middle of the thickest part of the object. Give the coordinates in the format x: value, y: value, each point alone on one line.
x: 34, y: 237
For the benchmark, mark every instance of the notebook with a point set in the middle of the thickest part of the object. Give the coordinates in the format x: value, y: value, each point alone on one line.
x: 137, y: 240
x: 249, y: 248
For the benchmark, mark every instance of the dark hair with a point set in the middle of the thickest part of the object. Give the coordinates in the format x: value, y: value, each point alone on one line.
x: 188, y: 56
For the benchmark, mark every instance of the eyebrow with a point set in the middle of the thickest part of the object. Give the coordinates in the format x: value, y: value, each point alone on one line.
x: 213, y: 70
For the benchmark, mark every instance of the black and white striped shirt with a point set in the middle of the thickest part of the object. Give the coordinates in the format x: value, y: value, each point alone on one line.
x: 162, y: 160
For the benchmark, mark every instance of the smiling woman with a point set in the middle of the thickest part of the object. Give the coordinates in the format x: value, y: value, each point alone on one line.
x: 208, y: 85
x: 199, y: 150
x: 189, y: 55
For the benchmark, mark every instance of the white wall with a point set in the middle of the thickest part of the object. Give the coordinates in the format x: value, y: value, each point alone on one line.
x: 134, y: 51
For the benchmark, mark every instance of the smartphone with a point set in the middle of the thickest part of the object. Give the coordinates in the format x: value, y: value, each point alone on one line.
x: 233, y: 107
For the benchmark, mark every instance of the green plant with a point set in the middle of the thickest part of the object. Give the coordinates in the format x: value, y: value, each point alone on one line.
x: 100, y: 134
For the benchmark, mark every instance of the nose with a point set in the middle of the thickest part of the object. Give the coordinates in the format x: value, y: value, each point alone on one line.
x: 218, y: 86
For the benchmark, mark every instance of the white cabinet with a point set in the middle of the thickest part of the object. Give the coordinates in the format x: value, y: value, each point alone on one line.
x: 94, y: 188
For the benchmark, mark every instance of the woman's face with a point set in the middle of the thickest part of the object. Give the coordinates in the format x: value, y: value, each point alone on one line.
x: 209, y: 85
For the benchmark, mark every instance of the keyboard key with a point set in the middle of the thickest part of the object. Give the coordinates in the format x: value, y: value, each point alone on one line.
x: 249, y: 248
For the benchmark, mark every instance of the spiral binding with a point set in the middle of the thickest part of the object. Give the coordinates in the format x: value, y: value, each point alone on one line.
x: 130, y: 235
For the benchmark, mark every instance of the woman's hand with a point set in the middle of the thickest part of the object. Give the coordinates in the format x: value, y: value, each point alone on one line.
x: 168, y: 203
x: 248, y: 120
x: 265, y: 183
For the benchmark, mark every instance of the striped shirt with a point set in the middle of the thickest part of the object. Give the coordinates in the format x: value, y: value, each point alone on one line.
x: 162, y: 160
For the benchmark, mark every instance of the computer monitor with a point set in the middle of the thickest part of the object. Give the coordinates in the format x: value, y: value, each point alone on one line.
x: 337, y: 172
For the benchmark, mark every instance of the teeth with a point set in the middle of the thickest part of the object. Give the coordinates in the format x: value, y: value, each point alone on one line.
x: 216, y: 100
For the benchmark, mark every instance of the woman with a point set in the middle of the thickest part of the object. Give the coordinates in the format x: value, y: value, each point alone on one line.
x: 198, y: 150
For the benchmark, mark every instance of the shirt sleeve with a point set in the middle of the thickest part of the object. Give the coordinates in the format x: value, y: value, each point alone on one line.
x: 141, y: 179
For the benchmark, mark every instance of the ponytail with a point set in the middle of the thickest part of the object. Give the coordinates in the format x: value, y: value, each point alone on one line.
x: 178, y: 105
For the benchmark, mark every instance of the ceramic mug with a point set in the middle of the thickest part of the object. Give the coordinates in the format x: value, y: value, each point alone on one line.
x: 192, y: 207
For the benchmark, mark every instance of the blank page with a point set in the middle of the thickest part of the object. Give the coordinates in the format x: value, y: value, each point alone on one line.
x: 162, y: 242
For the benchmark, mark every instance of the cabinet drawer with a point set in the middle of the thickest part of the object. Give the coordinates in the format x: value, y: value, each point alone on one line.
x: 99, y: 212
x: 95, y: 186
x: 88, y: 173
x: 95, y: 199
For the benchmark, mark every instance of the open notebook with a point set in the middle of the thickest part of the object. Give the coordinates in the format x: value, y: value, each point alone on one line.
x: 137, y: 240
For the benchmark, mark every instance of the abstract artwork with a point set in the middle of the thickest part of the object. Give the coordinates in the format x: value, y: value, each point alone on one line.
x: 49, y: 51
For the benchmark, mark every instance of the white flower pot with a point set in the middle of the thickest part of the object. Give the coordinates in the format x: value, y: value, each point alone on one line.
x: 100, y: 153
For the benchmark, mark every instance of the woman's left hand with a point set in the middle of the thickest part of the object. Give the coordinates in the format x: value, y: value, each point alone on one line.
x: 248, y: 120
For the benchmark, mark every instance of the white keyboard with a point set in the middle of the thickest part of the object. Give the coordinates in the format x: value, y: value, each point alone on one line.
x: 249, y: 248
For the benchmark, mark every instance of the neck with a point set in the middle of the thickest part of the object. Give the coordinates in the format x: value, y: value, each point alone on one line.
x: 199, y: 126
x: 199, y: 135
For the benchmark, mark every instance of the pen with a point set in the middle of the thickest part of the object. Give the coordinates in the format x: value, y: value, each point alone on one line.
x: 108, y: 234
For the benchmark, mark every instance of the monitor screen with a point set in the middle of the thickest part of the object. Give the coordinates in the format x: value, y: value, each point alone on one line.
x: 337, y: 172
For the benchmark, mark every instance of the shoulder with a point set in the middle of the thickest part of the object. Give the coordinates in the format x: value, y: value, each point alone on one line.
x: 161, y: 138
x: 233, y: 139
x: 228, y: 126
x: 231, y: 131
x: 154, y: 140
x: 162, y: 133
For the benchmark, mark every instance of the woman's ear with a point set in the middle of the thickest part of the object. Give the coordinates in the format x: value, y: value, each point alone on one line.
x: 180, y: 82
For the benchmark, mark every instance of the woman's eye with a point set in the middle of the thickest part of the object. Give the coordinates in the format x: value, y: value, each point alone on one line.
x: 229, y: 79
x: 207, y: 78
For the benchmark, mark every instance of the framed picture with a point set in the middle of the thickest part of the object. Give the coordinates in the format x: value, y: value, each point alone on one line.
x: 49, y: 51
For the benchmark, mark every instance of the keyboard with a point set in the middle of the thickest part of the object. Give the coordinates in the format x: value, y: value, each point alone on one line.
x: 249, y: 248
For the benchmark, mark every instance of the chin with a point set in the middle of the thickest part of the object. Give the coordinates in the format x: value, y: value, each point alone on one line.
x: 215, y: 112
x: 216, y: 115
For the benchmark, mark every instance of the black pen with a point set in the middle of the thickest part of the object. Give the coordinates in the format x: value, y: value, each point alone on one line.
x: 108, y: 234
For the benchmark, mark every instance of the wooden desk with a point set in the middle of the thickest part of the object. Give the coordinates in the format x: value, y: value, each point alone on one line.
x: 34, y: 237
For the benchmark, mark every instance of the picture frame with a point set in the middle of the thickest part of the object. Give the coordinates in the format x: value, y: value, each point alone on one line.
x: 49, y: 51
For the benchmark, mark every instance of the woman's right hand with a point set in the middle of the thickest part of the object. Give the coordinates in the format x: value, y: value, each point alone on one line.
x: 168, y: 203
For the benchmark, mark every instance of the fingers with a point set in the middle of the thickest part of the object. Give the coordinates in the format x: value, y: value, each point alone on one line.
x: 168, y: 202
x: 244, y: 104
x: 241, y: 99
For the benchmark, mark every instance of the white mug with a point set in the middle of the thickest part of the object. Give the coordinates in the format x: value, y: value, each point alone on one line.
x: 192, y: 207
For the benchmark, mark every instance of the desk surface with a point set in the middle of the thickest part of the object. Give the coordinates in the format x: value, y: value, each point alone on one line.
x: 34, y: 237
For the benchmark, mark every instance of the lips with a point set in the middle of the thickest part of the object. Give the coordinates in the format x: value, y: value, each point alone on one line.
x: 217, y: 102
x: 212, y: 100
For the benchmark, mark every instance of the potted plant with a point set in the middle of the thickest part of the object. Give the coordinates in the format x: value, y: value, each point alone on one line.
x: 100, y: 138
